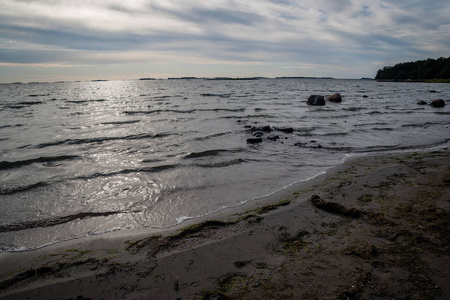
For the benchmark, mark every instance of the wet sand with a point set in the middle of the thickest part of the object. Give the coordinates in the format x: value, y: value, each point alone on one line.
x: 376, y: 227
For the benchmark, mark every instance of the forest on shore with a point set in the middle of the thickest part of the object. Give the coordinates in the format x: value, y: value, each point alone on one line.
x: 421, y: 70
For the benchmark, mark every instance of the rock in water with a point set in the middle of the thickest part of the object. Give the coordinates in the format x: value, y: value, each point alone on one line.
x: 421, y: 102
x: 334, y: 98
x: 437, y: 103
x: 265, y: 128
x: 316, y: 100
x: 257, y: 134
x: 273, y: 137
x: 286, y: 130
x: 254, y: 140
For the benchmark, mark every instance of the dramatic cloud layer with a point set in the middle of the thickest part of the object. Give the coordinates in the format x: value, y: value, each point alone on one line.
x: 160, y: 38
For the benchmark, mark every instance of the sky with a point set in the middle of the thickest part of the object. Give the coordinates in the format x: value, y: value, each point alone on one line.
x: 59, y: 40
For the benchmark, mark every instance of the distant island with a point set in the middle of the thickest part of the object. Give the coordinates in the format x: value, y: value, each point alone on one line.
x: 301, y: 77
x: 435, y: 70
x: 238, y: 78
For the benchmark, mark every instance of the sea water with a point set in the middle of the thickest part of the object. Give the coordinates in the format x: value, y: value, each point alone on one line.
x: 84, y: 158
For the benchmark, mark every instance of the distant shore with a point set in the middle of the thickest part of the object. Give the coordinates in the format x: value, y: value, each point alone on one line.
x: 375, y: 227
x: 415, y: 80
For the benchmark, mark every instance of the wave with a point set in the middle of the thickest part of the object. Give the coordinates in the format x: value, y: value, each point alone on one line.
x: 371, y: 124
x: 377, y: 148
x: 426, y: 124
x: 38, y: 95
x: 222, y: 164
x: 9, y: 126
x: 202, y: 138
x: 333, y: 134
x: 216, y: 95
x: 13, y: 190
x: 30, y: 103
x: 213, y: 152
x: 55, y: 221
x: 16, y: 164
x: 121, y: 122
x: 19, y: 189
x: 187, y: 111
x: 222, y: 109
x: 266, y: 116
x: 157, y: 111
x: 99, y: 140
x: 383, y: 128
x: 126, y: 172
x: 353, y: 108
x: 15, y: 106
x: 84, y: 101
x: 165, y: 96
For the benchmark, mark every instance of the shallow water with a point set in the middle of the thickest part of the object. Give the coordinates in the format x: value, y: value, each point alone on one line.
x: 84, y: 158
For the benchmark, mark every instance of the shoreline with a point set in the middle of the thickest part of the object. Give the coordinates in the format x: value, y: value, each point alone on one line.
x: 281, y: 246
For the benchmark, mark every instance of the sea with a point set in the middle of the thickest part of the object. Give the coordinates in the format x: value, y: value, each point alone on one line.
x: 88, y: 158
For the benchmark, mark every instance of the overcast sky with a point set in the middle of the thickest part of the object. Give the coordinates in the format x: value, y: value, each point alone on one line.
x: 49, y: 40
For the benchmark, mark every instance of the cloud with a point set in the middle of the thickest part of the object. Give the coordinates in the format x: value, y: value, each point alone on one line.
x: 341, y: 34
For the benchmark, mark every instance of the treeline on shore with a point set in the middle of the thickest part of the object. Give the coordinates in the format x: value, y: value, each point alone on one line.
x: 421, y: 70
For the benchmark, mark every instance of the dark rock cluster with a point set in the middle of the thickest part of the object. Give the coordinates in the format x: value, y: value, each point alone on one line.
x: 321, y: 100
x: 259, y: 133
x: 434, y: 103
x: 267, y: 132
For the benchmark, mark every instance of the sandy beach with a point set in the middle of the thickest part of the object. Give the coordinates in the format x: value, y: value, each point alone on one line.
x: 376, y: 227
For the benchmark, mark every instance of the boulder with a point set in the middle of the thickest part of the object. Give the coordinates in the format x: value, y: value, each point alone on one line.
x: 316, y: 100
x: 437, y: 103
x: 334, y: 98
x: 421, y: 102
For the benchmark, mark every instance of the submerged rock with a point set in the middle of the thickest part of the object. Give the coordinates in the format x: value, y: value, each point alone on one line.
x: 421, y: 102
x: 316, y: 100
x: 334, y: 98
x: 254, y: 140
x: 265, y: 128
x: 286, y: 130
x: 257, y: 133
x: 437, y: 103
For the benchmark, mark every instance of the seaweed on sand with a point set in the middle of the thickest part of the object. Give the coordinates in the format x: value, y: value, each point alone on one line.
x: 335, y: 208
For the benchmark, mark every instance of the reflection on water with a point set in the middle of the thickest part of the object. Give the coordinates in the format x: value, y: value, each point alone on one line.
x: 135, y: 154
